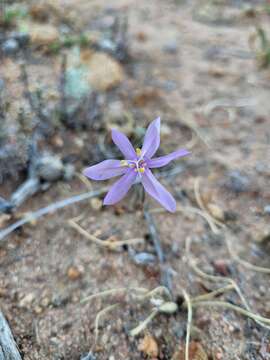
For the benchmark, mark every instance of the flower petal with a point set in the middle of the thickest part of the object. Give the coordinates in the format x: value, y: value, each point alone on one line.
x: 105, y: 170
x: 157, y: 191
x: 124, y: 145
x: 120, y: 188
x: 152, y: 139
x: 164, y: 160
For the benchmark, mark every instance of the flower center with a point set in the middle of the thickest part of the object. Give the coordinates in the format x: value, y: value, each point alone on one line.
x: 138, y: 165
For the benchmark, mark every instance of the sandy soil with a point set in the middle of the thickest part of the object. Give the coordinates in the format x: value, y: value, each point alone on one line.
x: 191, y: 63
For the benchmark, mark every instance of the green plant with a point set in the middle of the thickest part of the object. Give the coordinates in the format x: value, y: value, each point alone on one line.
x: 13, y: 13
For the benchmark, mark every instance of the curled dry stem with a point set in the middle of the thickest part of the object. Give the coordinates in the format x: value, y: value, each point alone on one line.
x: 200, y: 203
x: 159, y: 289
x: 192, y: 210
x: 242, y: 262
x: 114, y: 291
x: 99, y: 315
x: 189, y: 322
x: 212, y: 294
x: 214, y: 278
x: 213, y: 222
x: 258, y: 318
x: 112, y: 245
x: 140, y: 294
x: 142, y: 325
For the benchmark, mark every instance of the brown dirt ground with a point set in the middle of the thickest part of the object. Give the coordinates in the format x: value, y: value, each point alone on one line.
x: 186, y: 59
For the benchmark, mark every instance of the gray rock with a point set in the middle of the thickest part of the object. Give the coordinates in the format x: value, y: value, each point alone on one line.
x: 10, y: 47
x: 50, y: 168
x: 21, y: 37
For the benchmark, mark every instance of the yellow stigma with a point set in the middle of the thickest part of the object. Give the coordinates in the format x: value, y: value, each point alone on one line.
x: 124, y: 163
x: 138, y: 151
x: 142, y: 170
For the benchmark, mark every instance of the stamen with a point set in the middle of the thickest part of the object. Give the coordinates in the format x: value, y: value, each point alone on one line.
x: 123, y: 163
x: 138, y: 152
x: 141, y: 169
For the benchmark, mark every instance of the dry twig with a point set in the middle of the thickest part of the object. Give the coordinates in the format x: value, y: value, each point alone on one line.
x: 99, y: 314
x: 49, y: 209
x: 112, y: 245
x: 8, y: 347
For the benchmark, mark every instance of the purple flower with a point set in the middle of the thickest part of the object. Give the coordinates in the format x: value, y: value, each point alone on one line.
x: 136, y: 167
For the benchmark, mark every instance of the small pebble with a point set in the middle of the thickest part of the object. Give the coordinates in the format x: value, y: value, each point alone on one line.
x: 10, y: 47
x: 74, y: 273
x: 165, y: 130
x: 45, y: 302
x: 38, y: 310
x: 96, y: 204
x: 171, y: 47
x: 89, y: 356
x: 144, y: 258
x: 237, y: 182
x: 27, y: 300
x: 50, y: 168
x: 60, y: 299
x: 263, y: 237
x: 221, y: 267
x: 149, y: 346
x: 57, y: 141
x: 141, y: 36
x: 267, y: 209
x: 219, y: 355
x: 262, y: 290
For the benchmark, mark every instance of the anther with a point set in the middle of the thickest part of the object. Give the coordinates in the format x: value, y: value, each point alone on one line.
x: 124, y: 163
